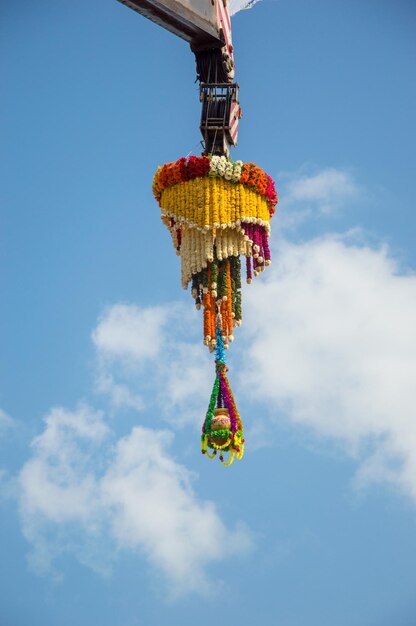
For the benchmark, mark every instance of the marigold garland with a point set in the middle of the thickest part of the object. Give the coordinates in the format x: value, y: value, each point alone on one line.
x: 185, y: 170
x: 217, y: 210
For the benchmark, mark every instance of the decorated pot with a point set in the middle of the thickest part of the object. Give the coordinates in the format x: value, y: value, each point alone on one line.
x: 220, y: 421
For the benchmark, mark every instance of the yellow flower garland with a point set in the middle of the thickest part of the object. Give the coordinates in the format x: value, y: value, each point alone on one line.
x: 207, y: 203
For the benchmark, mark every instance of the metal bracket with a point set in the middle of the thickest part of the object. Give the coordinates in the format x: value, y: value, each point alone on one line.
x: 220, y: 116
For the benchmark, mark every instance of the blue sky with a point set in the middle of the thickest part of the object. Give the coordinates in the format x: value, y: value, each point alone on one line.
x: 109, y: 515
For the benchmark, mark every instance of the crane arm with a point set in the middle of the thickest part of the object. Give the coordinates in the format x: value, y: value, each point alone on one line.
x: 195, y: 22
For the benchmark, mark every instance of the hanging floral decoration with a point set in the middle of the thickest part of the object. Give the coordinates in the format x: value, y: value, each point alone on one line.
x: 217, y: 210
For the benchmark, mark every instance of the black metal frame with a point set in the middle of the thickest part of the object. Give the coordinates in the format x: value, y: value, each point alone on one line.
x: 216, y: 101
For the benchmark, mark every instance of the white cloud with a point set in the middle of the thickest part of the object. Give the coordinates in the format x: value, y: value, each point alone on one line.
x: 5, y: 421
x: 155, y: 509
x: 57, y: 485
x: 120, y: 394
x: 186, y: 377
x: 332, y: 344
x: 127, y: 338
x: 180, y: 373
x: 80, y: 494
x: 324, y: 191
x: 128, y: 332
